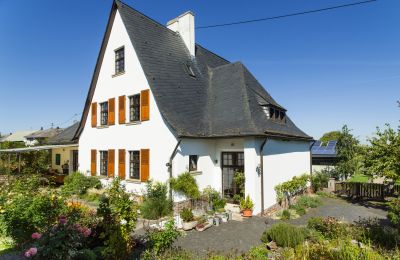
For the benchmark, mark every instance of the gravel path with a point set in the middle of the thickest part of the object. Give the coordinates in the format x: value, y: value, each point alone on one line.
x: 241, y: 236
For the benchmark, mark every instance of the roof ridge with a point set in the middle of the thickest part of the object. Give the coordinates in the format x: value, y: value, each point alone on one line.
x: 213, y: 53
x: 145, y: 16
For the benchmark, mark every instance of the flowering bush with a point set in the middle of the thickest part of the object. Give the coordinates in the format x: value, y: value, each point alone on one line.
x: 64, y: 240
x: 292, y: 187
x: 24, y: 214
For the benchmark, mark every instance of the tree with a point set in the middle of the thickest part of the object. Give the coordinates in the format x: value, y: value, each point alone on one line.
x: 333, y: 135
x: 347, y: 149
x: 383, y: 154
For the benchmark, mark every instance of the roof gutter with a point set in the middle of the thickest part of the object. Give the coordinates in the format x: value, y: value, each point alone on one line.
x: 169, y: 165
x: 262, y: 174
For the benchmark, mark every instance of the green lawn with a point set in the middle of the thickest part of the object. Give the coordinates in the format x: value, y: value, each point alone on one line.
x: 359, y: 178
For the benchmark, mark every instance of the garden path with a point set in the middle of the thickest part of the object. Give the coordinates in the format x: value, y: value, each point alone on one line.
x: 241, y: 236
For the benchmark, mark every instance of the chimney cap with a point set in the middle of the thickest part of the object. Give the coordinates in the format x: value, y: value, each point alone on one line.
x: 180, y: 16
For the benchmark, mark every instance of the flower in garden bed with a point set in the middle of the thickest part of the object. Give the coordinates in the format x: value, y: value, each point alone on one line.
x: 31, y: 252
x: 36, y: 235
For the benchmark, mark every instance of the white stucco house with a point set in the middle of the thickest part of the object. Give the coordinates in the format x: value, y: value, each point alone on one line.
x: 159, y: 104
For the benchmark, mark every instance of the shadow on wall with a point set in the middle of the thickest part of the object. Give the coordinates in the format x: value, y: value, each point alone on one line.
x: 276, y: 147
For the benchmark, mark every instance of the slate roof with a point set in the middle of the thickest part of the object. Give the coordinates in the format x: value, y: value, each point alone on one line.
x: 222, y: 100
x: 47, y: 133
x: 66, y: 136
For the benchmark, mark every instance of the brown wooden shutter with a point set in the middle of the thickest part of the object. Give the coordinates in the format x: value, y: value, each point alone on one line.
x: 121, y: 110
x: 93, y: 161
x: 121, y: 164
x: 94, y: 114
x: 144, y: 164
x: 111, y: 111
x: 111, y: 163
x: 145, y: 105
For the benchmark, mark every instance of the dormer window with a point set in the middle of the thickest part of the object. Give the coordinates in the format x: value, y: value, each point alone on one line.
x: 119, y: 60
x: 274, y: 113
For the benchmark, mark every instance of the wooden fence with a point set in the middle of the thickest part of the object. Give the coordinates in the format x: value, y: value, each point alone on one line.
x: 366, y: 190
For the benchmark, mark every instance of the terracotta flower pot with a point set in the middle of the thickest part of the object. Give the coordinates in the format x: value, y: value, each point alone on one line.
x: 247, y: 213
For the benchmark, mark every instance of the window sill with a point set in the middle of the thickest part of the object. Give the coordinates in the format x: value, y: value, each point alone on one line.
x: 102, y: 126
x: 101, y: 177
x: 133, y: 123
x: 133, y: 181
x: 196, y: 173
x: 118, y: 74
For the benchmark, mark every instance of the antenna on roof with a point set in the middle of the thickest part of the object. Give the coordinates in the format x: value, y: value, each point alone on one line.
x: 52, y: 125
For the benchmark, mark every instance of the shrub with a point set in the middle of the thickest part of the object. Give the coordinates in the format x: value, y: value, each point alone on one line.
x: 292, y: 187
x: 239, y: 179
x: 25, y: 214
x: 119, y: 216
x: 161, y: 240
x: 186, y: 215
x: 300, y: 210
x: 246, y: 203
x: 285, y: 215
x: 329, y: 227
x: 65, y: 240
x: 77, y: 183
x: 257, y: 252
x: 186, y: 184
x: 215, y: 198
x: 155, y: 202
x: 319, y: 180
x: 308, y: 202
x: 394, y: 211
x: 284, y: 235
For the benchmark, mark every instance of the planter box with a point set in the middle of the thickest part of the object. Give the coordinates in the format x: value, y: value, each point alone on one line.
x: 189, y: 225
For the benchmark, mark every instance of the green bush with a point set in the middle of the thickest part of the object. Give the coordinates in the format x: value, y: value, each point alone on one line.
x: 186, y: 215
x: 246, y: 203
x: 215, y: 198
x: 300, y: 211
x: 161, y: 240
x: 186, y: 184
x: 329, y: 227
x: 156, y: 203
x: 77, y: 183
x: 285, y: 215
x: 289, y: 188
x: 308, y: 202
x: 319, y: 180
x: 25, y: 214
x: 239, y: 179
x: 285, y: 235
x: 394, y: 211
x: 258, y: 253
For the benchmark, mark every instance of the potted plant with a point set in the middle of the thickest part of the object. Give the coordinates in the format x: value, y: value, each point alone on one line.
x: 188, y: 221
x: 246, y: 206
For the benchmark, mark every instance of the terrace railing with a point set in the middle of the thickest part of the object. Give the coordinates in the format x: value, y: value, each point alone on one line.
x: 366, y: 190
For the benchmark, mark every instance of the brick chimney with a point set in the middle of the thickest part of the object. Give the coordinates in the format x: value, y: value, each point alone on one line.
x: 184, y: 25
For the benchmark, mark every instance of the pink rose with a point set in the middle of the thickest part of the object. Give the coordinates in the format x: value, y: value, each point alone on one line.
x: 62, y: 219
x: 36, y: 235
x: 87, y: 232
x: 31, y: 252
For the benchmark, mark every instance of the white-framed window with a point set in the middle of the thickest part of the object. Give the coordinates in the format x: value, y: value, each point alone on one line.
x: 193, y: 159
x: 103, y: 163
x: 120, y: 60
x: 104, y: 113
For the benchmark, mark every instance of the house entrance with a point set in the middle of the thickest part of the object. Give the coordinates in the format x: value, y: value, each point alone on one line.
x: 232, y: 162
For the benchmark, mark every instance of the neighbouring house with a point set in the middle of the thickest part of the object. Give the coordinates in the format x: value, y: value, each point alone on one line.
x: 43, y: 135
x: 64, y: 156
x: 18, y: 137
x: 324, y: 157
x: 159, y: 104
x: 62, y: 149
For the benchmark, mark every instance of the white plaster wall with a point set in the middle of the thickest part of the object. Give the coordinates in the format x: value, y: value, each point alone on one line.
x: 282, y: 161
x: 66, y: 155
x: 152, y: 134
x: 209, y: 163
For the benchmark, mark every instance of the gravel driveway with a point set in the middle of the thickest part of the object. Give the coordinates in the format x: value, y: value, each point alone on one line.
x: 241, y: 236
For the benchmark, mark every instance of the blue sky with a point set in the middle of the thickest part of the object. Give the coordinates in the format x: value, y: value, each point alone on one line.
x: 327, y: 69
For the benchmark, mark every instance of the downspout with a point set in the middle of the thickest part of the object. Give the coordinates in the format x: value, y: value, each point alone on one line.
x: 169, y: 165
x: 262, y: 174
x: 312, y: 144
